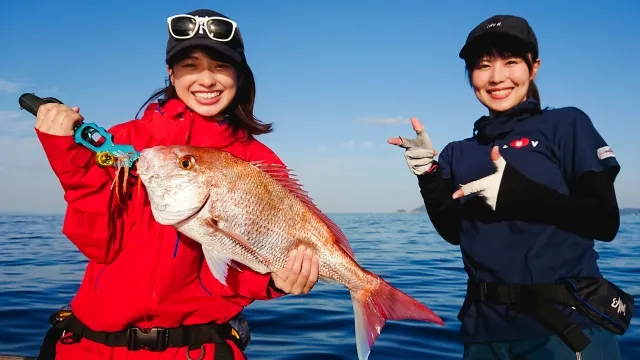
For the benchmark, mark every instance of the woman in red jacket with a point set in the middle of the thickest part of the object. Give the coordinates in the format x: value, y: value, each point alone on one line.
x: 147, y: 292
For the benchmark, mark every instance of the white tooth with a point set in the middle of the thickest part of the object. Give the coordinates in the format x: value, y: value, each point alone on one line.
x: 501, y: 92
x: 208, y: 95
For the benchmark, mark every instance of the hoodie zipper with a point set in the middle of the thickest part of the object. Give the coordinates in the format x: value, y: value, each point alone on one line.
x: 153, y: 297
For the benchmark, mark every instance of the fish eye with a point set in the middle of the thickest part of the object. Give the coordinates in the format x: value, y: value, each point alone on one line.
x: 186, y: 162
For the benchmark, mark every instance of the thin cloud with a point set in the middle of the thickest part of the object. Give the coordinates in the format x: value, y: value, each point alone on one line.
x: 14, y: 123
x: 384, y: 120
x: 352, y: 144
x: 8, y: 86
x: 8, y: 115
x: 351, y: 182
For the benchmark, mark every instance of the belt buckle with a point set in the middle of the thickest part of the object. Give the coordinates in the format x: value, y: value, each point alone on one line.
x: 154, y: 339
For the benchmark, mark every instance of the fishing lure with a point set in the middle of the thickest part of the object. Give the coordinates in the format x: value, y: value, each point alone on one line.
x: 100, y: 141
x: 108, y: 153
x: 94, y: 138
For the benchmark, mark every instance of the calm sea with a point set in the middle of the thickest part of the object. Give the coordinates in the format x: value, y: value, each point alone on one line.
x: 40, y: 271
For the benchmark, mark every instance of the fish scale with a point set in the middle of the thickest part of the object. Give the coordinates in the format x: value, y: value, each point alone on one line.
x: 264, y: 234
x: 271, y: 240
x: 254, y: 214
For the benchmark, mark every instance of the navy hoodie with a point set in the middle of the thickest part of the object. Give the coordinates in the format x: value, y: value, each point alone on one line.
x: 553, y: 149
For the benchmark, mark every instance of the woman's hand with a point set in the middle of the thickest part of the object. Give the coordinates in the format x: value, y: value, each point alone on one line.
x: 489, y: 186
x: 57, y: 119
x: 419, y: 154
x: 300, y: 274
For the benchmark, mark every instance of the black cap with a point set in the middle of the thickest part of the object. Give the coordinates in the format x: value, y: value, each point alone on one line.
x: 232, y: 49
x: 508, y: 25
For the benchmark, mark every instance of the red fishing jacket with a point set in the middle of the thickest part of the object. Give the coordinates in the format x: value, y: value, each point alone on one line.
x: 141, y: 273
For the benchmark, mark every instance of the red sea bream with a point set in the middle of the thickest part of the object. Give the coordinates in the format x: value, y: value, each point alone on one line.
x: 255, y: 214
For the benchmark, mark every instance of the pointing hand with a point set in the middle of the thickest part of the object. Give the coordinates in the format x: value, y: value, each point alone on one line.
x: 488, y: 186
x: 419, y: 151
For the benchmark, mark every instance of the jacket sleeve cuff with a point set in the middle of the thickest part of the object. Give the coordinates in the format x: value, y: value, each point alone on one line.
x: 431, y: 178
x: 272, y: 290
x: 63, y: 153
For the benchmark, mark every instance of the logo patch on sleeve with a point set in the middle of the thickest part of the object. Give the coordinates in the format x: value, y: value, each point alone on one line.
x: 605, y: 152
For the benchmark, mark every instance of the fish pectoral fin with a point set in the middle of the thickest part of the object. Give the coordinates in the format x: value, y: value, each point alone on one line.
x: 218, y: 264
x: 239, y: 239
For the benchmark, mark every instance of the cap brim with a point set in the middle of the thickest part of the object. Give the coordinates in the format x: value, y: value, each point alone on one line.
x: 470, y: 45
x: 228, y: 54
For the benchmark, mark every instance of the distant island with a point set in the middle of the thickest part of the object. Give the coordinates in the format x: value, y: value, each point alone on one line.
x: 423, y: 209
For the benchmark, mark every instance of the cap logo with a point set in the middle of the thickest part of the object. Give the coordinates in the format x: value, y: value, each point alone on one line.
x: 494, y: 24
x: 201, y: 21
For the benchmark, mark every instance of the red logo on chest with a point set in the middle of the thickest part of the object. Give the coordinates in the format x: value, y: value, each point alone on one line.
x: 518, y: 143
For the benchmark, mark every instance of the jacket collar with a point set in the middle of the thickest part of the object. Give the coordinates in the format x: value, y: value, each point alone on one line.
x: 173, y: 123
x: 491, y: 128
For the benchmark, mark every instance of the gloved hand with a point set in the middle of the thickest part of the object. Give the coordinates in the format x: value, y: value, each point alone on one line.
x: 489, y: 186
x: 419, y: 152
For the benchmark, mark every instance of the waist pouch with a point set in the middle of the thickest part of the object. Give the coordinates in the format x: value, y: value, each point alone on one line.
x: 595, y: 297
x: 241, y: 331
x: 601, y: 301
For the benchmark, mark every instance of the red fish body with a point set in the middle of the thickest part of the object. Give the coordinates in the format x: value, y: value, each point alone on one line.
x: 256, y: 214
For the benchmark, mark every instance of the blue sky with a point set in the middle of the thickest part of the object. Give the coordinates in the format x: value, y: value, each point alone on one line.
x: 336, y: 77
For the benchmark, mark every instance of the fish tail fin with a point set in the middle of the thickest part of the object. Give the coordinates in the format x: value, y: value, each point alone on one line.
x: 372, y: 307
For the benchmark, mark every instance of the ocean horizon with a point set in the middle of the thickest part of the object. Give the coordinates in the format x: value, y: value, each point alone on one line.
x: 40, y: 270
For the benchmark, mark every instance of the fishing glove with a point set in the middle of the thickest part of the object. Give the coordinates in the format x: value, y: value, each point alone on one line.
x: 419, y: 152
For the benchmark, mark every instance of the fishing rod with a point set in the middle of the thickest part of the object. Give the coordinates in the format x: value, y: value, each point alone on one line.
x: 89, y: 135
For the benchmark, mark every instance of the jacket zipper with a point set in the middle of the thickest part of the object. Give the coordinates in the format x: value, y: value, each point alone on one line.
x: 152, y: 299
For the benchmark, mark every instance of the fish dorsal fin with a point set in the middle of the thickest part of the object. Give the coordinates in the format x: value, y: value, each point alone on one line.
x: 287, y: 178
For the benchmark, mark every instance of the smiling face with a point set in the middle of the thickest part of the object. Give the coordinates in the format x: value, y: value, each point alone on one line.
x: 207, y: 86
x: 501, y: 82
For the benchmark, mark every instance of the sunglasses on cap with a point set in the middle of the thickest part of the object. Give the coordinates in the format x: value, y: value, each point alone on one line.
x: 186, y: 26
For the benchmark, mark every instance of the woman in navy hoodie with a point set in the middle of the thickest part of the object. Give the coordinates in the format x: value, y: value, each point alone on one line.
x: 538, y: 190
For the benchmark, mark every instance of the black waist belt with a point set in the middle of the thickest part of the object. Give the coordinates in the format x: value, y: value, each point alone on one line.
x: 594, y: 297
x: 154, y: 339
x: 537, y: 301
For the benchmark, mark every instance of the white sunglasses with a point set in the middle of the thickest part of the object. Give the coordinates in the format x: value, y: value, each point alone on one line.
x: 186, y: 26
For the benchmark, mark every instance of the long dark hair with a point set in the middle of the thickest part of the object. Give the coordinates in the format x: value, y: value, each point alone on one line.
x: 240, y: 111
x: 503, y: 46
